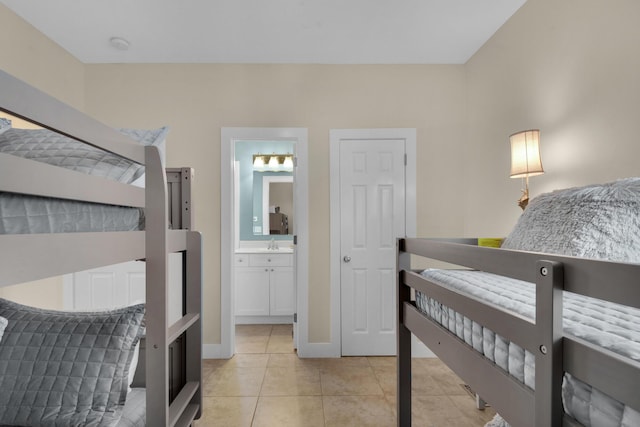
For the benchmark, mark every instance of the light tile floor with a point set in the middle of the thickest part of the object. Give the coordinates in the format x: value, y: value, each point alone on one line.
x: 266, y: 385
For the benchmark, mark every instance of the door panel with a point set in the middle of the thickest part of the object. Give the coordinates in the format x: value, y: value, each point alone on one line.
x: 372, y: 204
x: 282, y: 292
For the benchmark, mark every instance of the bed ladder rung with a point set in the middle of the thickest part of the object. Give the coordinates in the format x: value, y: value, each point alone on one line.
x: 180, y: 410
x: 182, y: 325
x: 188, y: 416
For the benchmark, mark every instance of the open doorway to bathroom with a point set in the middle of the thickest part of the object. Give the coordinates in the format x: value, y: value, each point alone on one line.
x: 263, y: 235
x: 263, y: 255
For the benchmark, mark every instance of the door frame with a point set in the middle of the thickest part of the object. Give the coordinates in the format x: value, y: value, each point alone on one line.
x: 409, y: 137
x: 227, y: 241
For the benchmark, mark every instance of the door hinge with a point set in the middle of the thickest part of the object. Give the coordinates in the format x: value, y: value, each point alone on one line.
x: 295, y: 239
x: 295, y: 161
x: 405, y: 159
x: 295, y: 317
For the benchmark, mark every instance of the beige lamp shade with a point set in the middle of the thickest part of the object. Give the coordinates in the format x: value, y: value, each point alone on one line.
x: 525, y: 154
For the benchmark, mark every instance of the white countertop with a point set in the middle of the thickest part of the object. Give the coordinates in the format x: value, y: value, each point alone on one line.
x: 280, y: 250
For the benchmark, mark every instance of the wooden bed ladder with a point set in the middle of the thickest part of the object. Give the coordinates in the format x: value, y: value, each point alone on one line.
x: 160, y: 241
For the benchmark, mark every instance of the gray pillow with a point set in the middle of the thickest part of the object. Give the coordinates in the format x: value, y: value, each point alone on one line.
x: 64, y: 369
x: 50, y: 147
x: 597, y: 221
x: 5, y: 124
x: 3, y: 325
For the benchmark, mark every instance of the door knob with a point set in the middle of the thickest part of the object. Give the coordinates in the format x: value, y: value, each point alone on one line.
x: 346, y: 258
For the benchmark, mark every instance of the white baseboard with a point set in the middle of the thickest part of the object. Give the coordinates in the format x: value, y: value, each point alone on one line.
x: 214, y: 351
x: 319, y: 350
x: 264, y: 320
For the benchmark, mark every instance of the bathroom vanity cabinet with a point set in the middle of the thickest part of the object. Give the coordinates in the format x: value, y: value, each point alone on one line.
x: 264, y: 287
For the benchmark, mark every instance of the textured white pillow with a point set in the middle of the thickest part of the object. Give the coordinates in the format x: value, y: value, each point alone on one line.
x: 597, y: 221
x: 155, y: 137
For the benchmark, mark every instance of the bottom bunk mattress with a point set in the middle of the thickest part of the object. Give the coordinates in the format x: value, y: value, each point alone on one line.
x: 22, y: 214
x: 134, y: 413
x: 611, y: 326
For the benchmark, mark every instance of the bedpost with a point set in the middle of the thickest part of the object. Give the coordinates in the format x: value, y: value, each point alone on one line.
x: 549, y: 370
x: 156, y: 224
x: 403, y: 336
x: 193, y: 304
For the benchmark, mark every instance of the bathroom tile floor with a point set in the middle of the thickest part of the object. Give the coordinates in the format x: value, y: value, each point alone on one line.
x: 266, y: 384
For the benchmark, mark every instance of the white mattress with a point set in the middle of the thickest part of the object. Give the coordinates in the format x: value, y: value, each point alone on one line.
x: 608, y: 325
x: 21, y: 214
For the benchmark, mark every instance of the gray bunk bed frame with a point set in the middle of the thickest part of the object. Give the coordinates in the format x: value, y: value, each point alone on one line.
x: 554, y: 353
x: 168, y: 216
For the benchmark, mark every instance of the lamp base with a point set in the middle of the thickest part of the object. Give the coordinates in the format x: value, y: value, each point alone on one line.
x: 523, y: 201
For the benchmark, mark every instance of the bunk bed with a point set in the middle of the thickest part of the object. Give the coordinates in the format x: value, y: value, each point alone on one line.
x: 545, y: 328
x: 160, y: 218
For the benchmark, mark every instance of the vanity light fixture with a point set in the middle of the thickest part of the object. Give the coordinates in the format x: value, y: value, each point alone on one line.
x: 525, y: 159
x: 273, y: 162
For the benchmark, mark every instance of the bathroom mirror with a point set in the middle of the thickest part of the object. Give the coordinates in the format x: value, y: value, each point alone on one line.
x: 273, y: 202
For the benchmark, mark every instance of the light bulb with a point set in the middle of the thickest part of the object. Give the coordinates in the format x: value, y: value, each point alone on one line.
x: 288, y: 162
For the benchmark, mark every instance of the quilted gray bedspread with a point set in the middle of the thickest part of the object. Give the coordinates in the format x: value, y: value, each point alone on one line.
x: 21, y: 214
x: 66, y: 369
x: 612, y: 326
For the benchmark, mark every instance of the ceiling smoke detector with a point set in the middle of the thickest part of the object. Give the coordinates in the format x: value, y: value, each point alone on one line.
x: 119, y: 43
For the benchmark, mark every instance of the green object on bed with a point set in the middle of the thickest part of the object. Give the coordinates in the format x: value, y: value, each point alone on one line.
x: 490, y: 242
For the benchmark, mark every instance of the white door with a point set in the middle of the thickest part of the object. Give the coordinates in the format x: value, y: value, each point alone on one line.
x: 120, y: 285
x: 372, y: 216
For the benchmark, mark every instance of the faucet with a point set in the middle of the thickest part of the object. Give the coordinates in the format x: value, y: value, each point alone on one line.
x: 273, y: 246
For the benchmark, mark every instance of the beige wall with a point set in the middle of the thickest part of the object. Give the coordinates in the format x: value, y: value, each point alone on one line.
x: 32, y: 57
x: 197, y: 100
x: 570, y: 68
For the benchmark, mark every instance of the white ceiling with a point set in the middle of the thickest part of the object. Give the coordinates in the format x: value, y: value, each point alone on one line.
x: 270, y: 31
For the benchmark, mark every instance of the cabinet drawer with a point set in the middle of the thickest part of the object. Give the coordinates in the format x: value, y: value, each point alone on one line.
x: 241, y: 260
x: 270, y: 260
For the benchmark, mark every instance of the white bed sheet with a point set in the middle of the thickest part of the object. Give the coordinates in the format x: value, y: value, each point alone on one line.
x: 605, y: 324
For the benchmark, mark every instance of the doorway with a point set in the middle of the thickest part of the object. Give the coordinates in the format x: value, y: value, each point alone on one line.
x: 372, y: 203
x: 259, y: 241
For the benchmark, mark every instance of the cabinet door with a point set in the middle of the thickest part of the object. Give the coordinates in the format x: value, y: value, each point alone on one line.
x: 282, y: 290
x: 252, y: 291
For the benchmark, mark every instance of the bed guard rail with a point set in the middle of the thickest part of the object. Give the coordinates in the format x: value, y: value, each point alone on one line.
x: 555, y: 353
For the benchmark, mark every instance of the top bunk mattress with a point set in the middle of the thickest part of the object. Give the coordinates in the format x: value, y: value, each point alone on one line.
x: 22, y: 214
